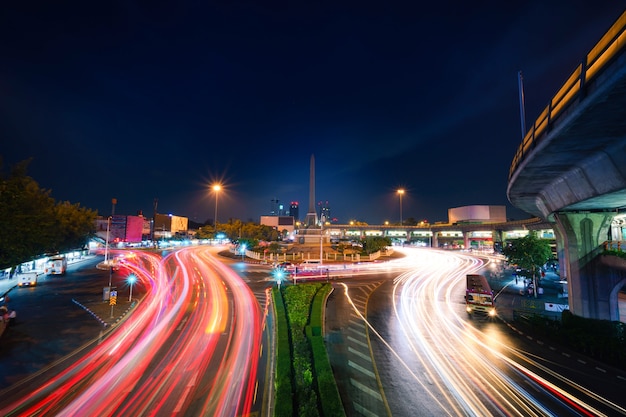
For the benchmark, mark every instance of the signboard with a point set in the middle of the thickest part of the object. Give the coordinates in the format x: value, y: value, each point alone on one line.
x: 113, y: 298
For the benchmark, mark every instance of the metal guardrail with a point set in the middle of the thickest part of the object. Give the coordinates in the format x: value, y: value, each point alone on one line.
x: 601, y: 55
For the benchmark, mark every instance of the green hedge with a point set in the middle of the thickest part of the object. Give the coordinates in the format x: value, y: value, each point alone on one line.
x: 298, y: 299
x: 603, y: 340
x: 618, y: 253
x: 313, y: 382
x: 283, y: 382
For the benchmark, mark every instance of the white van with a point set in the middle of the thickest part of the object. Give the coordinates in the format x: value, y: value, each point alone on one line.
x: 27, y: 279
x: 311, y: 264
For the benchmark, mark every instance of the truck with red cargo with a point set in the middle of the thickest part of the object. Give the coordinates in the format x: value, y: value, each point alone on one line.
x: 479, y: 299
x: 56, y: 265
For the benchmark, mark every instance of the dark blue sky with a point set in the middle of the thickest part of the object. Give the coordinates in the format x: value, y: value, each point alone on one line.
x: 155, y: 99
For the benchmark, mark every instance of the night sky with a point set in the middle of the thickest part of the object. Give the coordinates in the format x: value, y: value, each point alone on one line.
x: 153, y: 99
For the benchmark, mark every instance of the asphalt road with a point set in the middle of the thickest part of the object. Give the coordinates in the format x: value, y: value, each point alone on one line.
x: 201, y: 363
x: 50, y: 323
x: 411, y: 351
x: 366, y: 345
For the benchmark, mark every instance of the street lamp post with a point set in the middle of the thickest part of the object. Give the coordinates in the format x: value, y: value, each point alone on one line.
x: 106, y: 252
x: 131, y: 280
x: 106, y: 245
x: 216, y: 190
x: 400, y: 193
x: 322, y: 239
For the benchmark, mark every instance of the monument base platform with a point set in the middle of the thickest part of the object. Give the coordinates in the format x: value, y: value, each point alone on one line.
x: 310, y: 236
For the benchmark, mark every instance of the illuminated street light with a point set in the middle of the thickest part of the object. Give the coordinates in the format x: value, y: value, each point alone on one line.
x: 279, y: 275
x: 106, y: 252
x: 401, y: 193
x: 322, y: 220
x: 216, y: 189
x: 242, y: 249
x: 106, y: 245
x: 131, y: 280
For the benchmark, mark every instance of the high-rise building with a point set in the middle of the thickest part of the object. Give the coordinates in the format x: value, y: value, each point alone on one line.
x: 273, y: 207
x: 324, y: 211
x: 294, y: 210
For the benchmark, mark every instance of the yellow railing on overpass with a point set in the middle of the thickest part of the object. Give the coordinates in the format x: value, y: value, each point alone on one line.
x: 616, y: 245
x: 612, y: 44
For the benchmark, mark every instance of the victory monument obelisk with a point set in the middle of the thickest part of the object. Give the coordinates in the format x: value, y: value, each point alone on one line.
x: 311, y: 232
x: 311, y: 216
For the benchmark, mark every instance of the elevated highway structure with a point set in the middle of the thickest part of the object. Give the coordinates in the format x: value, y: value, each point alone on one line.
x: 445, y: 235
x: 570, y: 170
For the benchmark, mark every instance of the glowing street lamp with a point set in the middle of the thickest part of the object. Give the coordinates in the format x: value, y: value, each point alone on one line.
x: 131, y: 280
x: 216, y: 189
x: 106, y: 252
x: 400, y: 193
x: 279, y: 275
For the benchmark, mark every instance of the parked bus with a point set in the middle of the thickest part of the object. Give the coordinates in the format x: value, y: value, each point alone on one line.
x: 479, y: 298
x: 56, y: 265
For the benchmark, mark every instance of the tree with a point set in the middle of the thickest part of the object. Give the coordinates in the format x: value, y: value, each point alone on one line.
x: 205, y: 232
x: 375, y: 243
x: 530, y: 253
x: 75, y: 224
x: 410, y: 222
x: 357, y: 223
x: 236, y: 229
x: 32, y: 224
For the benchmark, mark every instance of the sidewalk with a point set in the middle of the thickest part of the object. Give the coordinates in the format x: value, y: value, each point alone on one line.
x: 513, y: 300
x: 7, y: 284
x: 102, y: 311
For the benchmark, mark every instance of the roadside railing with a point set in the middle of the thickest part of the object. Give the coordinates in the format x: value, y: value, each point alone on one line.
x: 302, y: 256
x: 617, y: 245
x: 601, y: 55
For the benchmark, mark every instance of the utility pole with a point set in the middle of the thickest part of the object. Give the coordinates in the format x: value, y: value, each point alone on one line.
x: 522, y: 107
x: 323, y: 219
x: 156, y: 203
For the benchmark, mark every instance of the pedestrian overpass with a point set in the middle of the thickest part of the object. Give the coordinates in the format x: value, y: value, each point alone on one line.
x: 570, y: 170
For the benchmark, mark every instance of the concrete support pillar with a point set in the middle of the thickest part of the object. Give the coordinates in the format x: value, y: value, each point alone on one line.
x: 466, y: 240
x: 435, y: 241
x: 496, y: 238
x: 582, y: 236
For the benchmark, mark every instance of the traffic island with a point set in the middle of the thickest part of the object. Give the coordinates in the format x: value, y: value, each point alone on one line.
x: 106, y: 313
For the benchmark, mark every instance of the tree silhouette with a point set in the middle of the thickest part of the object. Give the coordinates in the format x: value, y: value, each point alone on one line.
x: 33, y: 224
